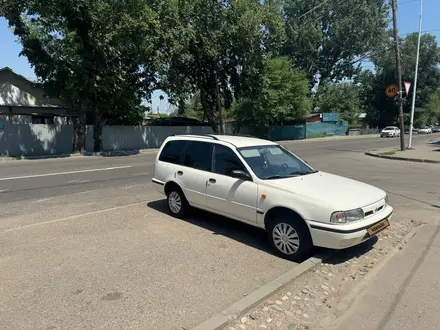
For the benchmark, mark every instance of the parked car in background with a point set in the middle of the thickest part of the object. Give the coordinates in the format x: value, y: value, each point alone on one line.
x: 425, y: 130
x: 414, y: 130
x: 436, y: 129
x: 390, y: 131
x: 260, y: 183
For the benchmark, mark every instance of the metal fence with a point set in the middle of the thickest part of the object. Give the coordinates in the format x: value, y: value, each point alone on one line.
x: 288, y: 132
x: 326, y: 129
x: 38, y: 139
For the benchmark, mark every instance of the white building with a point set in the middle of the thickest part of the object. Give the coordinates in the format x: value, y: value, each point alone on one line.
x: 23, y: 102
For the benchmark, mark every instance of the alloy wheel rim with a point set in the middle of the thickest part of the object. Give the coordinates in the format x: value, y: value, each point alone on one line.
x: 286, y: 238
x: 174, y: 202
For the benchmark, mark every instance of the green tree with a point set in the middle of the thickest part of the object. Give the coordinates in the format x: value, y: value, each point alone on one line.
x: 344, y: 98
x: 430, y: 114
x: 327, y: 41
x: 283, y: 97
x: 194, y: 109
x: 96, y: 55
x: 382, y: 110
x: 216, y: 49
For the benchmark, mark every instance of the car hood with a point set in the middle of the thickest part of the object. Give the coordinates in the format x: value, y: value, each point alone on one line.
x: 337, y: 191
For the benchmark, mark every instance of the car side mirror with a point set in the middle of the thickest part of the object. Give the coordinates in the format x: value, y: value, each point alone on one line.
x: 242, y: 175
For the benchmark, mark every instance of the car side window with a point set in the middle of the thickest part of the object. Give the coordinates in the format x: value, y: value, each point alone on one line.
x: 226, y: 161
x: 198, y: 155
x: 172, y: 152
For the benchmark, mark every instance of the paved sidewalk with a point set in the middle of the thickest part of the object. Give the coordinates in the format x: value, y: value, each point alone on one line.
x: 426, y: 153
x: 86, y: 154
x: 404, y: 293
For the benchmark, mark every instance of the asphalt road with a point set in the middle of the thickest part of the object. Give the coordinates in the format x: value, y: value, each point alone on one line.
x: 86, y: 243
x: 40, y: 179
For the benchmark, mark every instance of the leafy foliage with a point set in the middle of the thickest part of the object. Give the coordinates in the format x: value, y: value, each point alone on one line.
x: 219, y: 53
x: 381, y: 110
x: 251, y: 60
x: 328, y: 40
x: 343, y: 98
x: 283, y: 97
x: 430, y: 114
x: 95, y: 55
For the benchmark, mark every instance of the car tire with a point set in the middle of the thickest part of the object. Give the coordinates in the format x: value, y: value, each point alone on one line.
x: 177, y: 203
x: 289, y: 237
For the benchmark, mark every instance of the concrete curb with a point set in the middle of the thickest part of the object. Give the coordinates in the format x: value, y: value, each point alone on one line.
x: 237, y: 309
x: 416, y: 160
x: 86, y: 154
x: 331, y: 138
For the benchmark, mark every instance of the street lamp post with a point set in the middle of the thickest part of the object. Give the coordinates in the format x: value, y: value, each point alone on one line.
x: 413, y: 103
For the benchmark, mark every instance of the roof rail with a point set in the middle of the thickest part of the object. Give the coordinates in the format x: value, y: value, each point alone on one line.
x: 250, y: 136
x: 198, y: 135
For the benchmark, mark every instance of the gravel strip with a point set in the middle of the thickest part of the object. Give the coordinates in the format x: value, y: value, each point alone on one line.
x: 312, y: 301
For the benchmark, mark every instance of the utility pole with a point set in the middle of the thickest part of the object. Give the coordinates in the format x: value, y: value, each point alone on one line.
x: 399, y: 76
x: 413, y: 103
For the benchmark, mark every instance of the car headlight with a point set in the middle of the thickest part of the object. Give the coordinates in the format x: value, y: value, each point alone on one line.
x: 347, y: 216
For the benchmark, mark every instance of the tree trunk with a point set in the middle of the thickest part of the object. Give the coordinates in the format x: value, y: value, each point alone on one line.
x: 218, y: 103
x: 80, y: 130
x: 73, y: 121
x: 207, y: 109
x: 97, y: 133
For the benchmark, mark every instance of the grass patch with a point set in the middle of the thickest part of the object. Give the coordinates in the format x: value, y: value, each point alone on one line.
x: 387, y: 153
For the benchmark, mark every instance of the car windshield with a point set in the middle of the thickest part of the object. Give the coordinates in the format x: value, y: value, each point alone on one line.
x: 389, y: 128
x: 274, y: 162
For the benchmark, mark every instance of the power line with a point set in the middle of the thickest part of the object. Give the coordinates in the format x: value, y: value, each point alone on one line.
x: 409, y: 1
x: 334, y: 6
x: 314, y: 8
x: 373, y: 52
x: 426, y: 31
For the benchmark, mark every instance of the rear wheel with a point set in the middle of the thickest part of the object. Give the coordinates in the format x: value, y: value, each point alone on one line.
x: 290, y: 237
x: 177, y: 204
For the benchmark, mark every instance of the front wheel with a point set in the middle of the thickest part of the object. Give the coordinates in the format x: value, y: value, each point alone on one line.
x: 290, y: 238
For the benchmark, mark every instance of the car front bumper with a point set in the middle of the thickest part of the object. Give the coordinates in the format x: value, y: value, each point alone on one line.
x: 346, y: 235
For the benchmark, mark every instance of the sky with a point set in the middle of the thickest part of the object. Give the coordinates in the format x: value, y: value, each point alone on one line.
x: 407, y: 16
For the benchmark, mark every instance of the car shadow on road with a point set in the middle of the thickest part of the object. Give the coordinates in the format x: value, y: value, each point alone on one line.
x: 219, y: 225
x: 256, y: 237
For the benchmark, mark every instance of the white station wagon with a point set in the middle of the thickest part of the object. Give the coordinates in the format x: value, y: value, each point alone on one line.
x: 263, y: 184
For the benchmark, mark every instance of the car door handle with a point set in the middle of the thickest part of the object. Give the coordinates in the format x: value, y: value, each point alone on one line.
x: 212, y: 180
x: 179, y: 172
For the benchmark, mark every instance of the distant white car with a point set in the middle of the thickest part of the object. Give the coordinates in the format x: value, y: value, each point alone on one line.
x: 436, y: 129
x: 425, y: 130
x: 390, y: 131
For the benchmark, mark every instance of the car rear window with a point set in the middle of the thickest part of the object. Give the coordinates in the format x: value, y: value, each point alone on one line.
x: 172, y: 152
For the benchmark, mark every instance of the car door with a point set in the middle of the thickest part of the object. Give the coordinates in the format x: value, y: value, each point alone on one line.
x: 230, y: 196
x: 195, y: 170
